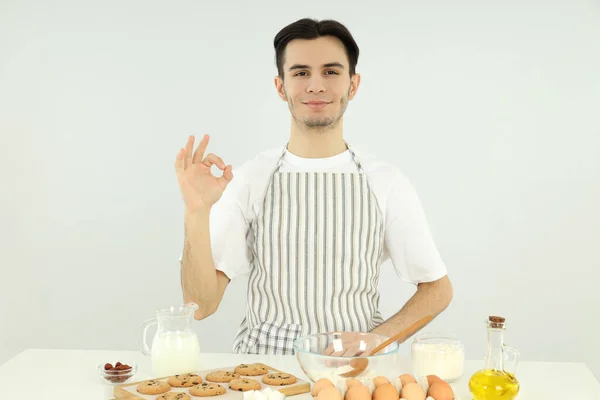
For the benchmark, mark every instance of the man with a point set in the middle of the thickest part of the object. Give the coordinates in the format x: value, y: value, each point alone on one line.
x: 310, y: 222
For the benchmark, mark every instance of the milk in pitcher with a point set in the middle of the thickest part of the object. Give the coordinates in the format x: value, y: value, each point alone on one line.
x: 175, y: 352
x: 175, y: 347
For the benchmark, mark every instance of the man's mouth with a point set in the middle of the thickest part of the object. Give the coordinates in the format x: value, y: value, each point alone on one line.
x: 316, y: 105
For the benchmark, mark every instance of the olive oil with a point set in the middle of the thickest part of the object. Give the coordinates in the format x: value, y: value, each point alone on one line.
x: 489, y: 384
x: 496, y: 381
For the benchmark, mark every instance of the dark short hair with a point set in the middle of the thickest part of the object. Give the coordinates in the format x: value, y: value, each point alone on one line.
x: 307, y: 28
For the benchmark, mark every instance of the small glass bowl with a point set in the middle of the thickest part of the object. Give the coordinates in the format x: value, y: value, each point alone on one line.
x: 117, y: 377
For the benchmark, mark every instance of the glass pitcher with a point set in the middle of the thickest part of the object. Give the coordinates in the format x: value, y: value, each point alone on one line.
x: 496, y: 381
x: 175, y: 347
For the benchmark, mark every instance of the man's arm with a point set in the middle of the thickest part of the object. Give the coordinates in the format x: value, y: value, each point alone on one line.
x: 201, y: 282
x: 431, y: 298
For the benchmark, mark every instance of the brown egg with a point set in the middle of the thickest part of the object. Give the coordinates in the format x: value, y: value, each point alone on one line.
x: 329, y: 393
x: 407, y: 378
x: 412, y: 391
x: 358, y: 392
x: 433, y: 378
x: 441, y: 390
x: 320, y: 384
x: 353, y: 382
x: 380, y: 380
x: 387, y: 391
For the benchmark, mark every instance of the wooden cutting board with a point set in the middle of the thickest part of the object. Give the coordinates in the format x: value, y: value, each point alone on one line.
x: 129, y: 390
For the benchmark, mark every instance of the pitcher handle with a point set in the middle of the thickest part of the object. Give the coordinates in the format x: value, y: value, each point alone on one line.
x: 145, y: 348
x: 511, y: 359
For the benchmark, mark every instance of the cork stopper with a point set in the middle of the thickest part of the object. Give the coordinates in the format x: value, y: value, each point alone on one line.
x: 496, y: 322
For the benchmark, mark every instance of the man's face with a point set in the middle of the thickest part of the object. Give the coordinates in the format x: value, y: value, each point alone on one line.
x: 316, y: 85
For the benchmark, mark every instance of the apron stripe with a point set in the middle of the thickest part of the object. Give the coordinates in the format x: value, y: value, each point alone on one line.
x: 361, y: 260
x: 302, y: 207
x: 315, y: 254
x: 370, y: 250
x: 346, y: 235
x: 327, y: 265
x: 307, y: 250
x: 289, y: 253
x: 353, y: 238
x: 336, y: 249
x: 298, y: 244
x: 268, y: 250
x: 277, y: 260
x: 364, y: 316
x: 261, y: 284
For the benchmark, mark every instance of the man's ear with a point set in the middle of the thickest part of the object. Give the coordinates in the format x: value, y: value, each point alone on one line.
x: 354, y: 84
x: 280, y: 88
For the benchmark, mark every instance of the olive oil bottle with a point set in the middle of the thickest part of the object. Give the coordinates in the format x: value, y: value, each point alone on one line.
x: 496, y: 381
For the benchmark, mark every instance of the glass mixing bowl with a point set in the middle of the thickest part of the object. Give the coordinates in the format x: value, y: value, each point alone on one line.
x: 310, y: 351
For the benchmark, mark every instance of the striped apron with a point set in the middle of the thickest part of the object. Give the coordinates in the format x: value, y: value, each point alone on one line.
x: 316, y: 245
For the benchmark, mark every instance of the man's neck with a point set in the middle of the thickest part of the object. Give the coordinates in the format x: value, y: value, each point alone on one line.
x: 316, y: 143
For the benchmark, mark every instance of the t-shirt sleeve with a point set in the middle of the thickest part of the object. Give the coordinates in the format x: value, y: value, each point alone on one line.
x: 228, y: 231
x: 408, y: 239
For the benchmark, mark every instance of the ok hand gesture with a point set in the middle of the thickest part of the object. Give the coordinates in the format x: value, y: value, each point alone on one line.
x: 200, y: 189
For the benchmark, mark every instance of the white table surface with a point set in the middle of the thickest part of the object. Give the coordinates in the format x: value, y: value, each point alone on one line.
x: 72, y: 374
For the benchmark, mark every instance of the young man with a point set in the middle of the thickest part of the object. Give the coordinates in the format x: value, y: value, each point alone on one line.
x: 310, y: 222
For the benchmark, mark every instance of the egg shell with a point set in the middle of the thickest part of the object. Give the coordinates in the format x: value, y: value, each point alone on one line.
x: 387, y: 391
x: 432, y: 378
x: 412, y: 391
x: 407, y: 378
x: 329, y: 393
x: 341, y: 386
x: 441, y: 390
x: 352, y: 382
x: 358, y: 392
x: 368, y: 382
x: 320, y: 384
x: 380, y: 380
x: 397, y: 382
x: 422, y: 381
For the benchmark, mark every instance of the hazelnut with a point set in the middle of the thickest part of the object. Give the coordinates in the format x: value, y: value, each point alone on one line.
x: 107, y: 366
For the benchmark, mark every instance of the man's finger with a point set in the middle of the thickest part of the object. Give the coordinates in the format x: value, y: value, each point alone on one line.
x: 189, y: 147
x: 227, y: 175
x: 179, y: 160
x: 199, y: 153
x: 352, y: 351
x: 212, y: 159
x: 338, y: 353
x: 328, y: 350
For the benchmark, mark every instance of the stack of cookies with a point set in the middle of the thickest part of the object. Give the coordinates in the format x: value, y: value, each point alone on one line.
x: 242, y: 378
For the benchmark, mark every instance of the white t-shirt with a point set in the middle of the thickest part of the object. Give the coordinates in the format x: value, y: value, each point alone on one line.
x: 408, y: 241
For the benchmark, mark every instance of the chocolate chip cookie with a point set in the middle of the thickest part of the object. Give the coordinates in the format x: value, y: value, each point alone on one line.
x: 244, y: 384
x: 207, y: 389
x: 221, y: 376
x: 185, y: 380
x: 251, y: 369
x: 279, y: 379
x: 153, y: 387
x: 174, y: 396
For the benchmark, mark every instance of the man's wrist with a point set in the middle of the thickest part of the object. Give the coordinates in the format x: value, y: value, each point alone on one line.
x: 383, y: 329
x: 197, y: 214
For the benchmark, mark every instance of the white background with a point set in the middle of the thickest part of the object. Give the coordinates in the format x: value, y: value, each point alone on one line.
x: 490, y: 108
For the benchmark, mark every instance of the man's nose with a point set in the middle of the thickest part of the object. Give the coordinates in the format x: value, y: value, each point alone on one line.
x: 316, y: 84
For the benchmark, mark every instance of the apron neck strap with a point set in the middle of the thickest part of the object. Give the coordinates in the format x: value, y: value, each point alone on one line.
x: 354, y: 158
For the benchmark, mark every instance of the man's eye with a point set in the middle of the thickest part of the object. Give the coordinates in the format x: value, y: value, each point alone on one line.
x: 332, y: 72
x: 300, y: 73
